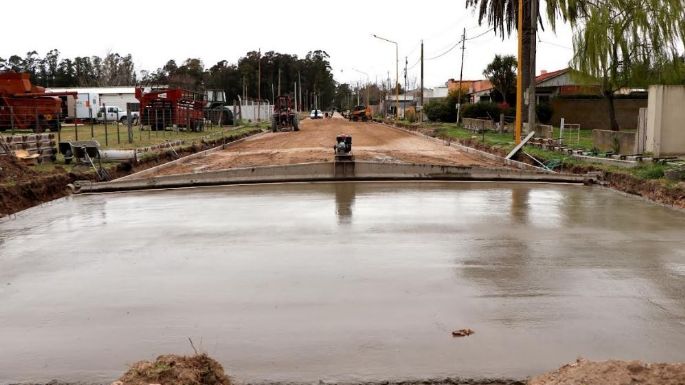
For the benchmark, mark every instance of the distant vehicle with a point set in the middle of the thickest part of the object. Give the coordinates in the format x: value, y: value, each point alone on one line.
x: 115, y: 113
x: 316, y: 114
x: 284, y: 117
x: 360, y: 113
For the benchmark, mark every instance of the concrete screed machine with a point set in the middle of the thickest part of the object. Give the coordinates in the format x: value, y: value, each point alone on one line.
x: 343, y: 148
x: 284, y: 117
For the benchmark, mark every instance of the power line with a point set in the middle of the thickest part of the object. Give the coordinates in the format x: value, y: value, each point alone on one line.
x: 457, y: 44
x: 482, y: 34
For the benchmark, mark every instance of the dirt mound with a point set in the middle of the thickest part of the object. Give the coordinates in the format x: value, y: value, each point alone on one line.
x: 171, y: 369
x: 13, y: 170
x: 613, y: 373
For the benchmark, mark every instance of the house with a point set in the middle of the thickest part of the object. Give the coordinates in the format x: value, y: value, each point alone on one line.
x: 479, y: 91
x: 549, y: 85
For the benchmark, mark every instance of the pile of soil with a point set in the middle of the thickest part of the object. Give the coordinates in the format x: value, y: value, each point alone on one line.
x: 171, y: 369
x: 613, y: 373
x: 22, y: 187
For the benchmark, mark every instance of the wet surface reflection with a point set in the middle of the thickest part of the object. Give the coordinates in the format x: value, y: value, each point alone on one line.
x: 341, y: 281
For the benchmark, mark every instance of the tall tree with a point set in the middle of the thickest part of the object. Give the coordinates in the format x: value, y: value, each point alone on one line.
x: 502, y: 16
x: 619, y: 41
x: 502, y: 74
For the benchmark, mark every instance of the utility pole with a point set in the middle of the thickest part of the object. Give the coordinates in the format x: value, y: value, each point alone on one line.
x: 421, y: 96
x: 519, y: 78
x: 404, y: 102
x: 259, y: 84
x: 461, y: 74
x: 532, y: 102
x: 299, y: 88
x: 279, y: 81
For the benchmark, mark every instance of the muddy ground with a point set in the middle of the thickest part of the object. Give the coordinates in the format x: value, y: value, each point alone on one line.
x: 22, y: 187
x: 314, y: 143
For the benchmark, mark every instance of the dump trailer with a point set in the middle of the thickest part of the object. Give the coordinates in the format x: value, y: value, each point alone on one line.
x: 360, y: 113
x: 24, y: 106
x: 284, y: 117
x: 171, y: 107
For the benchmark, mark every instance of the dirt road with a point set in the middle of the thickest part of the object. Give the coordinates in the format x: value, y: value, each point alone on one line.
x: 314, y: 142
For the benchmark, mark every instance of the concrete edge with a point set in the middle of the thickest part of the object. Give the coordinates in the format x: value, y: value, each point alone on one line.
x: 200, y: 154
x: 471, y: 150
x: 331, y: 172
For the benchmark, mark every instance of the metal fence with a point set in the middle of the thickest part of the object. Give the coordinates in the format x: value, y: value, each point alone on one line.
x: 253, y: 110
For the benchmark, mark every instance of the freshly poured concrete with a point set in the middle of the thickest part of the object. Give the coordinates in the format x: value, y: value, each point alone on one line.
x: 341, y: 281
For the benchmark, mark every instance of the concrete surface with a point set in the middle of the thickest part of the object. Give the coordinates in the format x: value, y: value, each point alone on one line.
x: 605, y: 140
x: 341, y: 281
x: 340, y: 171
x: 666, y: 120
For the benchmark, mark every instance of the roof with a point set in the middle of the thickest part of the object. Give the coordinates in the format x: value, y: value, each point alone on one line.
x: 551, y: 75
x: 96, y: 90
x: 481, y: 85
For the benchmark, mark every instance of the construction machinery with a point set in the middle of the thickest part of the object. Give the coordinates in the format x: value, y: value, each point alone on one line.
x: 360, y: 113
x: 171, y: 107
x: 24, y: 106
x: 343, y: 148
x: 217, y: 109
x: 284, y: 117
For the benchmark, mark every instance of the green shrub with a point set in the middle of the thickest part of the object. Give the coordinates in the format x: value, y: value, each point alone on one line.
x: 481, y: 110
x: 441, y: 111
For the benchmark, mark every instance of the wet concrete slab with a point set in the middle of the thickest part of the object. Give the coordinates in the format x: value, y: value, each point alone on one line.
x: 345, y: 282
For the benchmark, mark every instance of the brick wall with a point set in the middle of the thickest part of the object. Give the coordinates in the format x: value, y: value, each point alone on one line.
x: 594, y: 113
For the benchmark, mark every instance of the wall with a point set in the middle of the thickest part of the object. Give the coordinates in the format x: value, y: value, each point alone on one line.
x: 666, y: 120
x: 594, y: 113
x: 605, y: 140
x: 253, y: 111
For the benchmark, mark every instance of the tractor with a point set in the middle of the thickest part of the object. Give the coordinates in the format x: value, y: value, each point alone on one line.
x: 284, y: 117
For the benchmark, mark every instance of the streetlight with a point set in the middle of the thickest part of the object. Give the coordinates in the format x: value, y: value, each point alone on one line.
x: 397, y: 73
x: 367, y: 85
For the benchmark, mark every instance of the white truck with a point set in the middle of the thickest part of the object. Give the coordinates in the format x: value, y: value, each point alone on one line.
x: 115, y: 114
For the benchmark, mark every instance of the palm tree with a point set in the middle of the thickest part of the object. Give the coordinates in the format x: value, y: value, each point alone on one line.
x: 502, y: 16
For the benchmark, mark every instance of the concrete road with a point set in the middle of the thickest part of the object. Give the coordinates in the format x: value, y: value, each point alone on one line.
x: 341, y: 281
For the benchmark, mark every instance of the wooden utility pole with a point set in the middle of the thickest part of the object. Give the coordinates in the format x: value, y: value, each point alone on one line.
x: 519, y: 78
x: 461, y: 74
x: 421, y: 95
x: 404, y: 100
x: 259, y: 84
x: 532, y: 100
x: 279, y: 82
x: 299, y: 88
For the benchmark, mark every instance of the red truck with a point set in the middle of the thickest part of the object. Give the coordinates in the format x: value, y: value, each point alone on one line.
x: 171, y: 107
x: 24, y: 106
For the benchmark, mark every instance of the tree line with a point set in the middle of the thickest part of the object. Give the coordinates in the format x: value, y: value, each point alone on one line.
x: 254, y: 75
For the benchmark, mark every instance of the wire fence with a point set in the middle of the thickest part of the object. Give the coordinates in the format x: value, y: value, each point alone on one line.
x: 117, y: 130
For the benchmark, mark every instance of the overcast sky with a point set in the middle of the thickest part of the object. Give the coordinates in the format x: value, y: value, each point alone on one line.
x: 156, y: 31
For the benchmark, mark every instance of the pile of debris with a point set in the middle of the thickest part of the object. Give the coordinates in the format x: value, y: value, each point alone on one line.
x: 613, y: 373
x: 171, y: 369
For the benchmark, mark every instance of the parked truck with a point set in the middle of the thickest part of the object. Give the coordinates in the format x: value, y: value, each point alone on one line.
x: 24, y: 106
x: 116, y: 114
